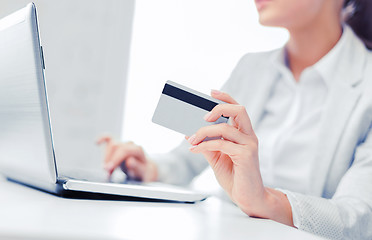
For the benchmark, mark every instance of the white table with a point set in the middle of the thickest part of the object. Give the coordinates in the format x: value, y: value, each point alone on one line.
x: 26, y: 213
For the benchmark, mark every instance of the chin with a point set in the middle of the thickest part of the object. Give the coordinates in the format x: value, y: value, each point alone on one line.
x: 268, y: 13
x: 269, y: 20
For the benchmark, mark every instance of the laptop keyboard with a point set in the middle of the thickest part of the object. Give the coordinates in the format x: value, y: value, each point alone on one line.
x: 100, y: 176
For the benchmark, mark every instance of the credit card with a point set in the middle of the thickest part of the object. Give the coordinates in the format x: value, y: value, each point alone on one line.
x: 182, y: 109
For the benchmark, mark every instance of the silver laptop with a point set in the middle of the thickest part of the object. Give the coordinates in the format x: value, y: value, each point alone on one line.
x: 26, y: 143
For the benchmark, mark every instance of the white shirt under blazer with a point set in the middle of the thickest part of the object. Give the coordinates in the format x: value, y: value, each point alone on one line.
x: 332, y: 196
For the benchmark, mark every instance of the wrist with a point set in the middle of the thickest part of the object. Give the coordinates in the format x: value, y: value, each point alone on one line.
x: 273, y: 205
x: 278, y: 206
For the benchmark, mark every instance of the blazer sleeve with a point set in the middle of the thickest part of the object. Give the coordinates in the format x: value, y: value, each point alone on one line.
x: 348, y: 214
x: 179, y: 166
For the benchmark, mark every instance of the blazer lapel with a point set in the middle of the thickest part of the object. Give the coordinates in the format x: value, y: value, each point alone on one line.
x: 343, y: 97
x: 342, y: 100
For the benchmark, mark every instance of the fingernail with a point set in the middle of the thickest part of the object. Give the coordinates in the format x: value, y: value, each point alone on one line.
x: 207, y: 116
x: 192, y: 147
x: 215, y: 92
x: 191, y: 139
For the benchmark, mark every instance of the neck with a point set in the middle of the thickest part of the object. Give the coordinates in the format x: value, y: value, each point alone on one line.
x: 308, y: 45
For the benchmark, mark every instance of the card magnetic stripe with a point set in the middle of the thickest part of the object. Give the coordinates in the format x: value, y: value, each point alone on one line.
x: 189, y: 98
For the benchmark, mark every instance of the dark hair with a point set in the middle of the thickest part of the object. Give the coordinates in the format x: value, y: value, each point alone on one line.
x: 359, y: 18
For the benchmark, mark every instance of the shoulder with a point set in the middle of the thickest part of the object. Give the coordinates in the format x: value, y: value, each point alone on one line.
x: 252, y: 70
x: 252, y: 65
x: 253, y: 60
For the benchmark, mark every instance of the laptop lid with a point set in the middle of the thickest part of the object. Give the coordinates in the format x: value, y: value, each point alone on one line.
x: 26, y: 146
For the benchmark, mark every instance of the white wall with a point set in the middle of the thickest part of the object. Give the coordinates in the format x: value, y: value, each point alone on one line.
x: 86, y: 48
x: 196, y: 43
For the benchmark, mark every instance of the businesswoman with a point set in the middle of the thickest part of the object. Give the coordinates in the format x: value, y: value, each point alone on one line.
x: 299, y: 149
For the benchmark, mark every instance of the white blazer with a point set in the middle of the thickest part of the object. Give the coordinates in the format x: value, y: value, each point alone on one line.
x: 339, y: 203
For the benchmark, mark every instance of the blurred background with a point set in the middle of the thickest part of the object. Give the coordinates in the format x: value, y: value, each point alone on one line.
x: 107, y: 62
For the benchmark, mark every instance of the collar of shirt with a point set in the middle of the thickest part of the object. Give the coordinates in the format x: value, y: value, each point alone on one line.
x: 326, y: 68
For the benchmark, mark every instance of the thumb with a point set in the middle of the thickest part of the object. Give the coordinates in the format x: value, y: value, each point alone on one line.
x: 223, y: 97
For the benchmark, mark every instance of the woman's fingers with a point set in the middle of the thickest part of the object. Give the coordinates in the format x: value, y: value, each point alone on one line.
x: 130, y: 157
x: 222, y: 130
x: 123, y: 153
x: 219, y: 145
x: 236, y: 112
x: 109, y: 151
x: 135, y: 168
x: 110, y: 147
x: 237, y: 153
x: 119, y: 153
x: 223, y: 96
x: 104, y: 139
